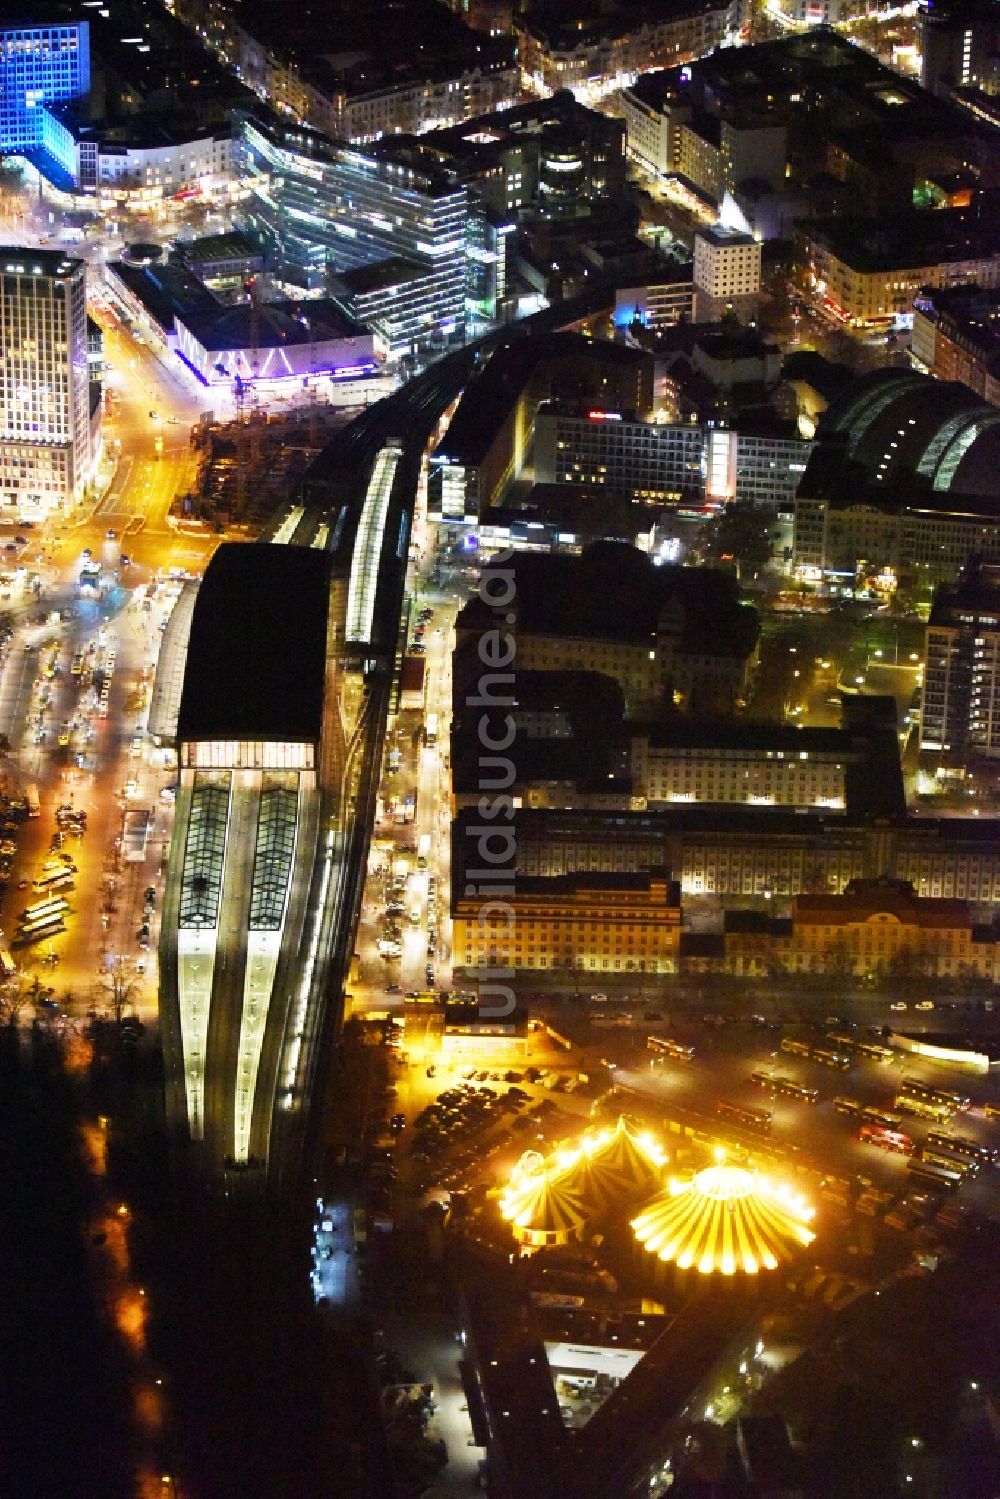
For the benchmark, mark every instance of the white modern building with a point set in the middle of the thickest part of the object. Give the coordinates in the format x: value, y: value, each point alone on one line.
x: 726, y: 274
x: 49, y: 423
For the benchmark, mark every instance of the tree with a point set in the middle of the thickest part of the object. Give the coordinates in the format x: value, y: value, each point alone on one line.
x: 116, y: 990
x: 14, y: 997
x: 739, y: 534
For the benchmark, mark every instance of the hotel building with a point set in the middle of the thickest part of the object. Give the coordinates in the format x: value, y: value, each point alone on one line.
x: 49, y: 426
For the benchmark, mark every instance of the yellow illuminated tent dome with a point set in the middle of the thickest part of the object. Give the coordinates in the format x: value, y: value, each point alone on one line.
x: 542, y: 1209
x: 606, y: 1168
x: 725, y: 1220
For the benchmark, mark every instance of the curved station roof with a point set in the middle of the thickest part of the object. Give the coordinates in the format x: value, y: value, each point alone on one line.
x: 256, y: 657
x: 900, y: 422
x: 724, y: 1220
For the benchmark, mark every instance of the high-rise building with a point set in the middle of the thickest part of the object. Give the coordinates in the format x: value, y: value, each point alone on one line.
x: 958, y: 46
x: 39, y: 65
x: 726, y: 274
x: 960, y: 713
x: 323, y: 209
x: 48, y: 426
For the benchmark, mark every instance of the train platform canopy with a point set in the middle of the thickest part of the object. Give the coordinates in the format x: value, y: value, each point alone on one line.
x: 256, y: 659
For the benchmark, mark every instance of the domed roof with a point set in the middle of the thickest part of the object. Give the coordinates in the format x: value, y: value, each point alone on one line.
x: 542, y: 1204
x: 633, y: 1157
x: 723, y: 1220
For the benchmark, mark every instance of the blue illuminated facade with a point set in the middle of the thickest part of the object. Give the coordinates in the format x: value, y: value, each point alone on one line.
x: 40, y: 65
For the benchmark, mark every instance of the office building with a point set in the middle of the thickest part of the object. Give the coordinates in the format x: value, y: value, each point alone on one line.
x: 667, y: 635
x: 598, y: 761
x: 323, y: 209
x: 930, y: 542
x: 600, y: 924
x: 49, y: 418
x: 656, y: 463
x: 726, y: 275
x: 878, y: 927
x: 40, y: 65
x: 657, y: 304
x: 754, y: 764
x: 960, y: 710
x: 488, y: 437
x: 546, y: 154
x: 762, y: 853
x: 875, y: 928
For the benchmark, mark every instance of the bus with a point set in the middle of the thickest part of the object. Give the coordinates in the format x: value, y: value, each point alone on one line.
x: 951, y: 1162
x: 751, y: 1118
x: 881, y: 1117
x: 56, y: 879
x: 677, y: 1050
x: 937, y: 1176
x: 847, y: 1106
x: 961, y: 1145
x: 842, y: 1040
x: 797, y: 1048
x: 838, y: 1059
x: 53, y: 927
x: 873, y: 1051
x: 923, y: 1108
x: 958, y: 1103
x: 8, y: 967
x: 47, y: 907
x: 431, y: 729
x: 786, y: 1086
x: 37, y: 921
x: 885, y: 1139
x: 991, y: 1110
x: 31, y: 798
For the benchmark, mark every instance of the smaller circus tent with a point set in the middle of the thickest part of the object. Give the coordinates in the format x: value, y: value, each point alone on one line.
x: 543, y: 1210
x: 724, y: 1220
x: 610, y: 1167
x: 633, y: 1157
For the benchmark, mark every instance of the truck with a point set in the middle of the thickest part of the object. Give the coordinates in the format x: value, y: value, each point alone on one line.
x: 431, y: 729
x: 423, y: 850
x: 31, y: 797
x: 136, y: 835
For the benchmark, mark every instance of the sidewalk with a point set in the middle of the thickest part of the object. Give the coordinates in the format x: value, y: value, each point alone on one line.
x: 427, y: 1343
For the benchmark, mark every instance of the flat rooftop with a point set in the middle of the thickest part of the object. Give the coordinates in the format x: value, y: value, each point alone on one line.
x: 232, y: 245
x: 273, y: 325
x: 16, y: 260
x: 381, y: 275
x: 614, y: 592
x: 256, y: 663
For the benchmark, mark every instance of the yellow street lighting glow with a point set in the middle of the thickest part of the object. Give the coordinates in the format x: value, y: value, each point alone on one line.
x: 725, y: 1219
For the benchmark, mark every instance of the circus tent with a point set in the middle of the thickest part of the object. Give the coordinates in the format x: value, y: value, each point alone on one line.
x: 725, y: 1219
x: 542, y: 1209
